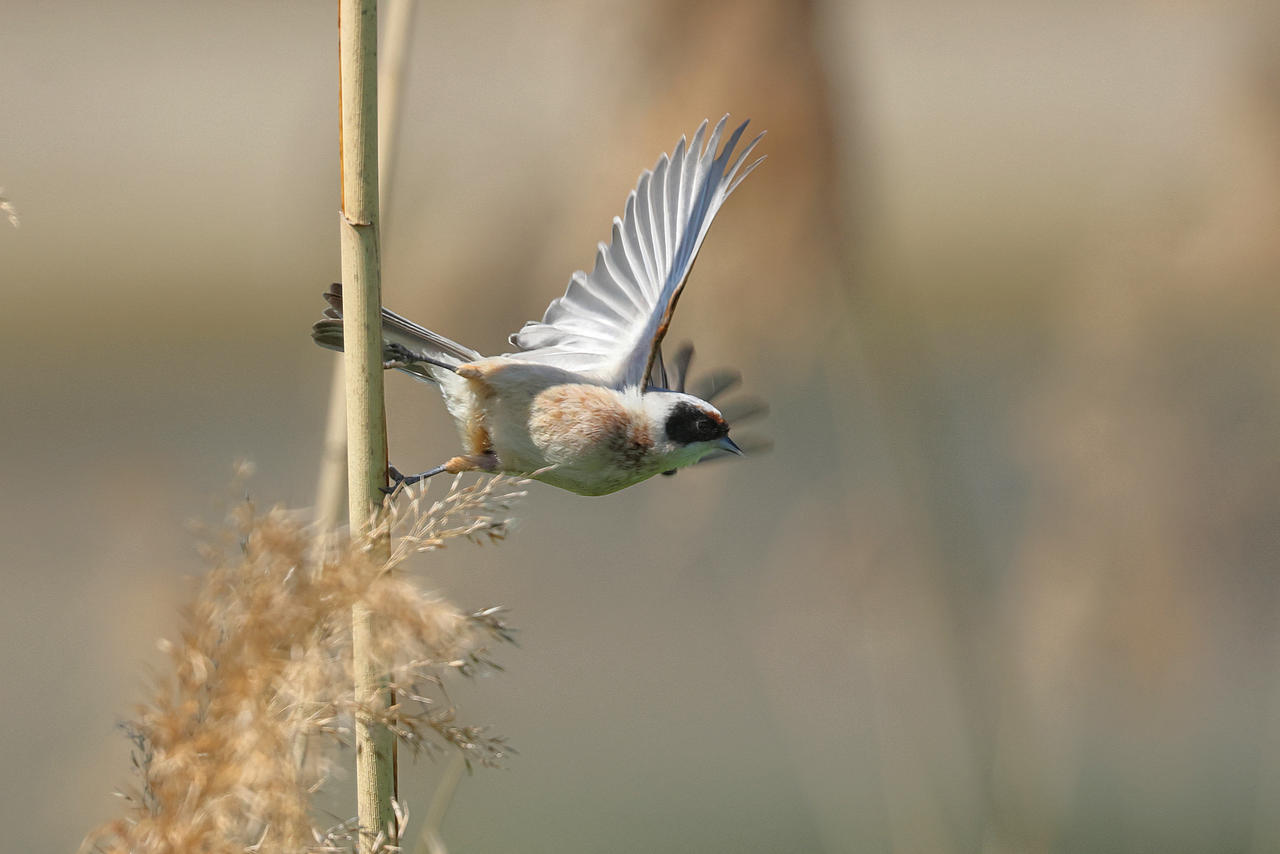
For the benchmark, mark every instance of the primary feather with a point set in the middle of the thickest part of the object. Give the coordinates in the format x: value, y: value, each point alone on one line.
x: 610, y: 323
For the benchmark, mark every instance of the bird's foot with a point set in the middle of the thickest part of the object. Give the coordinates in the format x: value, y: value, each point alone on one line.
x: 400, y: 481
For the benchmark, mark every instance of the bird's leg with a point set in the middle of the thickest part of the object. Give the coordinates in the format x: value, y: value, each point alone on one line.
x: 399, y: 480
x: 457, y: 465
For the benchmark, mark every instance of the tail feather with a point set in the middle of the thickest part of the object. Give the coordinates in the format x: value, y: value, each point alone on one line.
x: 415, y: 350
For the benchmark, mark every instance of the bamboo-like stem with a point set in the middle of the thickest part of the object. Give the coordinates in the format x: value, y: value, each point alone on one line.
x: 366, y: 419
x: 392, y: 65
x: 429, y: 841
x: 332, y: 482
x: 331, y: 486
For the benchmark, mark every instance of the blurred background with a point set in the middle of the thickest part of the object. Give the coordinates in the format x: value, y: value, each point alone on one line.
x: 1007, y: 581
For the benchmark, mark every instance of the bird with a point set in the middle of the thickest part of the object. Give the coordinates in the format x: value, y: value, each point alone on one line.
x: 585, y: 402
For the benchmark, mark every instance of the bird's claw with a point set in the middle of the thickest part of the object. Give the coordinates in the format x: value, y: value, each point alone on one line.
x: 398, y: 480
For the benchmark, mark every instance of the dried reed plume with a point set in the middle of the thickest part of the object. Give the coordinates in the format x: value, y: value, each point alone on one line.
x: 7, y: 208
x: 235, y: 741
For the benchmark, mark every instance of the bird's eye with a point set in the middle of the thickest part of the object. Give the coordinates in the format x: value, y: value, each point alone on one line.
x: 688, y: 424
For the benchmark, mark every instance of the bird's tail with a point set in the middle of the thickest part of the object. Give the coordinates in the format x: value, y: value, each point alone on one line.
x: 405, y: 345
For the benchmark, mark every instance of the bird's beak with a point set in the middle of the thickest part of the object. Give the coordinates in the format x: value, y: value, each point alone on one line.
x: 727, y: 444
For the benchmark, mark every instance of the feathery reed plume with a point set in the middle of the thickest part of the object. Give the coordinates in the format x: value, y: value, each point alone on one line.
x: 7, y: 208
x: 235, y: 741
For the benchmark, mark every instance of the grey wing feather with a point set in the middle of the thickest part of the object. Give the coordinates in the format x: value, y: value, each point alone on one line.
x: 609, y: 323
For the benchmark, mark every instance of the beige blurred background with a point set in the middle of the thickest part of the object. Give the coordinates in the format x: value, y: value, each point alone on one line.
x: 1007, y: 581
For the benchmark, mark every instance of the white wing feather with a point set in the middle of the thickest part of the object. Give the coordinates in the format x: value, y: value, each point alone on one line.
x: 609, y: 324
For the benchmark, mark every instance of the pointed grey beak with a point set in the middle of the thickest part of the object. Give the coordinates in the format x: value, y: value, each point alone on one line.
x: 727, y: 444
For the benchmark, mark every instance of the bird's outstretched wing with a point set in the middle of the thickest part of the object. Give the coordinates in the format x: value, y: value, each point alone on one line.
x: 609, y: 323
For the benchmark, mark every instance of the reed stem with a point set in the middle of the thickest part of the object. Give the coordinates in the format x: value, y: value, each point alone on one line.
x: 366, y: 418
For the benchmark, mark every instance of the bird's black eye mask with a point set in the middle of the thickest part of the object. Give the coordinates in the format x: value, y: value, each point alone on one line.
x: 688, y: 424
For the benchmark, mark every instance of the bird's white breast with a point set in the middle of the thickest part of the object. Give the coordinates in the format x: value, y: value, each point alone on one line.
x: 592, y: 439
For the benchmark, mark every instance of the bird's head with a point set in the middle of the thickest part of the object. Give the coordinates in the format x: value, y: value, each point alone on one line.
x: 685, y: 429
